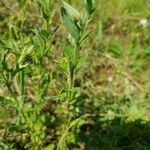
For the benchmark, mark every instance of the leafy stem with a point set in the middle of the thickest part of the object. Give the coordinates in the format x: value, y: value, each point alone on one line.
x: 76, y: 25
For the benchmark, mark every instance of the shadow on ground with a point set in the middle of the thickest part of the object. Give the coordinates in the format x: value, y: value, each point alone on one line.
x: 115, y: 135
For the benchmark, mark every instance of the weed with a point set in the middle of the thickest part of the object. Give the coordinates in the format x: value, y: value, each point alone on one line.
x: 74, y: 74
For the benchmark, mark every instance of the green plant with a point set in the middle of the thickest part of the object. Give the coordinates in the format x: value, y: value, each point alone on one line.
x: 30, y: 117
x: 76, y: 23
x: 59, y: 87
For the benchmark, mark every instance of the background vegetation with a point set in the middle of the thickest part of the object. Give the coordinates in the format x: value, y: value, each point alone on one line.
x: 104, y: 104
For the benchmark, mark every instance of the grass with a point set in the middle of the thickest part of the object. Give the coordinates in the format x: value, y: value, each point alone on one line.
x: 74, y: 75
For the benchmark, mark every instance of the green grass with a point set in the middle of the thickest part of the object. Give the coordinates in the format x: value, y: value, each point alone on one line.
x: 74, y: 75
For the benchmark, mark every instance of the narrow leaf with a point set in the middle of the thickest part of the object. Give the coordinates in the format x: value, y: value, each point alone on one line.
x: 70, y: 54
x: 70, y: 24
x: 85, y: 36
x: 8, y: 101
x: 74, y: 14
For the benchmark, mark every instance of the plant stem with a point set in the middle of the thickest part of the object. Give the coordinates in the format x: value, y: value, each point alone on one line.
x: 74, y: 122
x: 21, y: 82
x: 21, y: 86
x: 78, y: 48
x: 71, y: 82
x: 72, y: 72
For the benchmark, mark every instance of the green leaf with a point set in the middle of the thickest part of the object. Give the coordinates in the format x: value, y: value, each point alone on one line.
x: 9, y: 44
x: 71, y: 25
x: 44, y: 34
x: 26, y: 53
x: 80, y: 63
x: 73, y: 13
x: 8, y: 101
x: 69, y: 52
x: 91, y: 6
x: 49, y: 147
x: 44, y: 6
x: 85, y: 35
x: 62, y: 65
